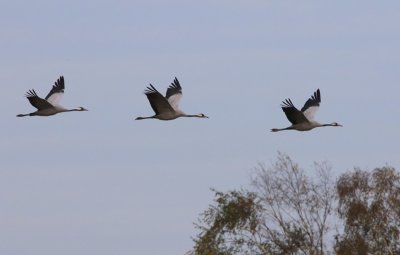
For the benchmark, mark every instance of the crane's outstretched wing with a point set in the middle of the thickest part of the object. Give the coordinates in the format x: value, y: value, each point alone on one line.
x: 174, y: 94
x: 157, y: 101
x: 294, y: 116
x: 36, y: 101
x: 311, y: 106
x: 56, y: 91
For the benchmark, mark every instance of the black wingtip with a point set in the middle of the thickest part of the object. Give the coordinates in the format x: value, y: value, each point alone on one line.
x: 317, y: 95
x: 60, y: 80
x: 59, y: 86
x: 31, y: 93
x: 287, y: 103
x: 150, y: 89
x: 176, y: 83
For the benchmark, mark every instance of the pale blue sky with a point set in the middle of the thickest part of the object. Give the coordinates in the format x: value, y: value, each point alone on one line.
x: 99, y: 182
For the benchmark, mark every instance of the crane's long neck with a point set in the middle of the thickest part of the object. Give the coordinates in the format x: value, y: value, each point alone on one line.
x: 200, y: 115
x: 79, y: 109
x: 71, y: 110
x: 190, y: 115
x: 334, y: 124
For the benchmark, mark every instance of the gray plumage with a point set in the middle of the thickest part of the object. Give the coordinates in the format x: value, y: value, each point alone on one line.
x: 50, y: 105
x: 303, y: 120
x: 167, y: 108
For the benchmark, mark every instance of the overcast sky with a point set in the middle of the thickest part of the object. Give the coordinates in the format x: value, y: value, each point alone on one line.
x: 99, y: 182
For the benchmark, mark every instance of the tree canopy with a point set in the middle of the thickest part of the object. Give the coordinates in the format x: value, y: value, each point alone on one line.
x: 289, y: 212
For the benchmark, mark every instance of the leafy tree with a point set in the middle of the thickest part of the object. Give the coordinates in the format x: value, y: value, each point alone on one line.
x: 369, y: 204
x: 289, y: 213
x: 286, y: 213
x: 231, y: 225
x: 296, y: 207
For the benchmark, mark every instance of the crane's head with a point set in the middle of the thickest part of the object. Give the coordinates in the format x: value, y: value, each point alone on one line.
x: 201, y: 115
x: 335, y: 124
x: 81, y: 109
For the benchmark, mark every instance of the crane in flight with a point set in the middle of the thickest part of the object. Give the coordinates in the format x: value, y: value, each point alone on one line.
x: 49, y: 106
x: 167, y: 108
x: 303, y: 120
